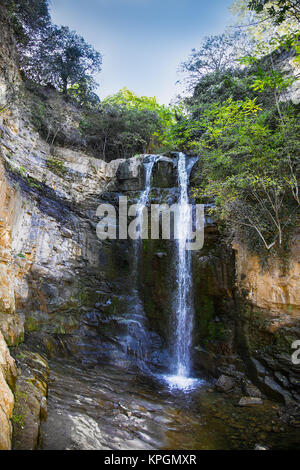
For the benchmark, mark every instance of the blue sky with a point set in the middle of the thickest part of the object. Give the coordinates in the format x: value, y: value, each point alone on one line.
x: 142, y: 41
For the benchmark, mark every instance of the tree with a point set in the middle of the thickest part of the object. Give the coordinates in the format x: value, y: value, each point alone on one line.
x: 83, y: 93
x: 62, y: 59
x: 115, y: 131
x: 249, y: 167
x: 28, y: 17
x: 280, y: 10
x: 262, y: 26
x: 244, y: 132
x: 126, y: 124
x: 164, y: 117
x: 216, y: 55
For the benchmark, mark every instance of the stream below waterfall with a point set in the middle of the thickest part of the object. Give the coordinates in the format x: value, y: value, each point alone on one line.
x: 109, y: 408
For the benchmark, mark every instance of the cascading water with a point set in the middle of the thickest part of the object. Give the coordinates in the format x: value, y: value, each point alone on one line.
x: 137, y: 337
x: 184, y: 309
x: 142, y: 202
x: 183, y: 302
x: 137, y: 341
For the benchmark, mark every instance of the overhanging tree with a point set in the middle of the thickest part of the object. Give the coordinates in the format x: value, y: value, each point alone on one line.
x: 62, y: 59
x: 215, y: 55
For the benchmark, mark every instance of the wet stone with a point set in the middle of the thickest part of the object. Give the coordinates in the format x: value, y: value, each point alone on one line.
x: 250, y: 401
x: 224, y: 383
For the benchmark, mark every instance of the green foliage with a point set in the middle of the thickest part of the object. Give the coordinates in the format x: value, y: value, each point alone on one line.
x: 48, y: 116
x: 249, y: 152
x: 208, y: 329
x: 52, y: 55
x: 279, y: 10
x: 28, y: 18
x: 125, y: 124
x: 82, y: 92
x: 63, y: 59
x: 57, y: 166
x: 164, y: 116
x: 31, y: 324
x: 18, y: 419
x: 22, y: 171
x: 250, y: 161
x: 275, y: 80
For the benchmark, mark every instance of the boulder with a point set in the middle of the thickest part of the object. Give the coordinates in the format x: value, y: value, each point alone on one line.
x: 250, y: 401
x: 225, y: 383
x: 131, y: 174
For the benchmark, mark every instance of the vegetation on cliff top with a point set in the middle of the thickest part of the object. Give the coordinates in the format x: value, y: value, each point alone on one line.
x: 241, y: 121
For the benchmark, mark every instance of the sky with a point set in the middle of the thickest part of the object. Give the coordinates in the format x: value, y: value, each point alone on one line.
x: 142, y: 41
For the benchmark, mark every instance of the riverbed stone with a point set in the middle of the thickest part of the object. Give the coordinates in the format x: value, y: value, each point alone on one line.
x: 250, y: 401
x: 225, y: 383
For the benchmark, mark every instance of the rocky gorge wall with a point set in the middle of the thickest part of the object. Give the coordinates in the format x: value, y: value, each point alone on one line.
x: 268, y: 320
x: 275, y: 289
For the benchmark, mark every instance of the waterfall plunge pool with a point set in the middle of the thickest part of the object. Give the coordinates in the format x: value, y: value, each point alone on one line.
x: 181, y: 382
x: 106, y: 407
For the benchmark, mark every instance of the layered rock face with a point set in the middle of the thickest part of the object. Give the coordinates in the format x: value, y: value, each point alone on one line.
x: 275, y: 289
x: 8, y: 375
x: 70, y: 292
x: 269, y: 320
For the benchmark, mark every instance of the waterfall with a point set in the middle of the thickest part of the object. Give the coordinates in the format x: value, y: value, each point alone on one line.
x: 138, y: 335
x: 183, y: 301
x: 137, y: 340
x: 143, y: 199
x: 184, y: 308
x: 142, y: 202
